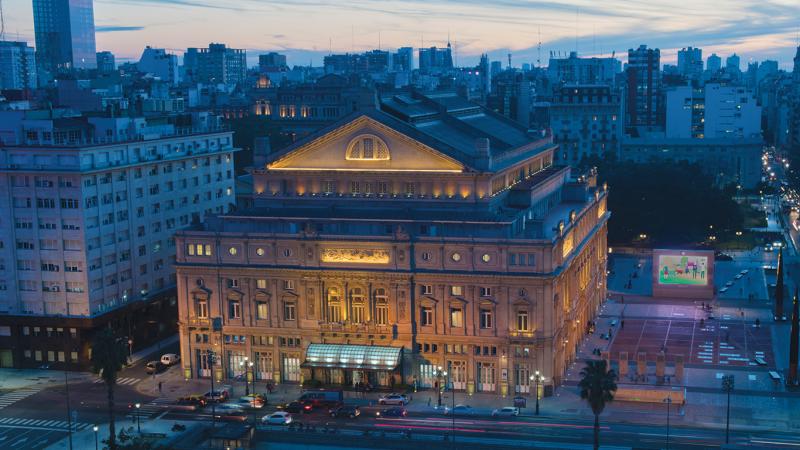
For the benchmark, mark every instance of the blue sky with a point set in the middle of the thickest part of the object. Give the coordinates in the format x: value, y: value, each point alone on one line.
x: 306, y: 29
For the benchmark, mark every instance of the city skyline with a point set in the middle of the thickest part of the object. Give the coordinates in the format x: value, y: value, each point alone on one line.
x: 125, y: 27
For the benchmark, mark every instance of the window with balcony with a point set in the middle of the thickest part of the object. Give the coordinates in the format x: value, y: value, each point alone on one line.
x: 486, y: 318
x: 426, y: 316
x: 522, y: 321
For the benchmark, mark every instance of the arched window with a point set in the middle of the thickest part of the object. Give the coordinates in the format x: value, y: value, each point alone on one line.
x: 334, y: 305
x: 358, y: 306
x: 367, y: 147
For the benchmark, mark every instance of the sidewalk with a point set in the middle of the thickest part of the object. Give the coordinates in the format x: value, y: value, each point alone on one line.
x: 88, y: 438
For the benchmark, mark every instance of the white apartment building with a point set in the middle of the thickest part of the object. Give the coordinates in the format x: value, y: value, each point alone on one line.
x: 86, y: 236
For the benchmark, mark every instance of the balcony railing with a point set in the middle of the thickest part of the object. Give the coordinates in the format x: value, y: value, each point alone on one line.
x: 355, y: 328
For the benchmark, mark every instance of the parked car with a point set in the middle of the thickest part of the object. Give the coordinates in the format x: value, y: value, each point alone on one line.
x: 252, y: 401
x: 170, y: 359
x: 277, y: 418
x: 297, y: 407
x: 397, y: 411
x: 230, y: 412
x: 506, y: 411
x: 216, y: 396
x: 393, y: 399
x: 350, y: 411
x: 154, y: 367
x: 460, y: 410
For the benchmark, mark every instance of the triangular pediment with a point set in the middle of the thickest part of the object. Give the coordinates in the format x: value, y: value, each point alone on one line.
x: 365, y: 144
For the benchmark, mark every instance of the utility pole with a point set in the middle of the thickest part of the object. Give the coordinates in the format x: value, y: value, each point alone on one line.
x: 69, y: 413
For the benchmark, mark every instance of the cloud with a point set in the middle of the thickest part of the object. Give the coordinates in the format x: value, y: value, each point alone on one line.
x: 115, y: 28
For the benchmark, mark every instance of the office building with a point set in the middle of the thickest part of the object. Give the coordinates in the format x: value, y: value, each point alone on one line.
x: 159, y: 63
x: 64, y: 32
x: 733, y: 63
x: 271, y: 62
x: 713, y: 111
x: 106, y: 62
x: 86, y: 240
x: 586, y: 121
x: 512, y: 96
x: 583, y: 71
x: 435, y: 60
x: 428, y: 233
x: 643, y: 91
x: 217, y: 64
x: 404, y: 59
x: 17, y: 65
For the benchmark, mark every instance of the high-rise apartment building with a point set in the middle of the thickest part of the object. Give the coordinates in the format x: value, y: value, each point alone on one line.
x: 404, y: 59
x: 106, y: 62
x: 733, y: 62
x: 64, y: 35
x: 583, y: 71
x: 714, y: 63
x: 215, y: 64
x: 643, y: 74
x: 690, y: 63
x: 86, y: 237
x: 160, y: 63
x: 271, y: 61
x: 17, y: 66
x: 586, y: 121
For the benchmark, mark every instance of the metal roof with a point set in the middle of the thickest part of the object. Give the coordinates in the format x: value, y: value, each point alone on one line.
x: 343, y: 356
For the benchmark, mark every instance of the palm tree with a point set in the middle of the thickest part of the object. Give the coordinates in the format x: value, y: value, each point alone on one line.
x: 597, y: 385
x: 109, y: 355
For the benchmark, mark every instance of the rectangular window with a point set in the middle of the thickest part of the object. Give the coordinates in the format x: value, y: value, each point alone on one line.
x: 382, y: 314
x: 328, y: 187
x: 355, y: 187
x: 262, y: 310
x: 409, y: 189
x: 486, y: 319
x: 456, y: 317
x: 288, y: 311
x: 456, y: 290
x: 486, y: 292
x: 383, y: 187
x: 234, y: 309
x: 426, y: 316
x: 261, y: 284
x: 522, y: 320
x: 427, y: 289
x: 288, y: 285
x: 201, y: 308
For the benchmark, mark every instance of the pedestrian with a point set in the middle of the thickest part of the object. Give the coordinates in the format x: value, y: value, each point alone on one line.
x: 159, y: 387
x: 622, y: 324
x: 429, y: 401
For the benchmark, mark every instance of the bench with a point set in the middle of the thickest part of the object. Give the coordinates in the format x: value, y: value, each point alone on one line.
x: 760, y: 361
x: 774, y: 375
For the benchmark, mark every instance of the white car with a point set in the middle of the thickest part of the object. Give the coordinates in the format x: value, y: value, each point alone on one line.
x: 277, y: 418
x: 393, y: 399
x: 506, y: 411
x: 170, y: 359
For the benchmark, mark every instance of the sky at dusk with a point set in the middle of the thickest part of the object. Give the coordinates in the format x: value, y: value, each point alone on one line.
x: 306, y: 29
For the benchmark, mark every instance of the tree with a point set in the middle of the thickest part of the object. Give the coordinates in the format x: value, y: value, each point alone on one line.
x: 597, y: 386
x: 109, y: 355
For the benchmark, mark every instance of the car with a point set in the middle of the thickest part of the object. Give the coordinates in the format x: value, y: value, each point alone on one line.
x: 506, y: 411
x: 729, y: 284
x: 277, y: 418
x: 393, y: 399
x: 723, y: 290
x: 216, y: 396
x: 397, y: 411
x: 154, y: 367
x: 297, y: 407
x: 170, y: 359
x: 230, y: 412
x: 745, y: 271
x: 350, y: 411
x: 738, y: 276
x: 252, y: 401
x: 460, y: 410
x: 193, y: 400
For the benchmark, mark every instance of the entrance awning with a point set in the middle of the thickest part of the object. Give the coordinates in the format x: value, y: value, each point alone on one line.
x: 339, y: 356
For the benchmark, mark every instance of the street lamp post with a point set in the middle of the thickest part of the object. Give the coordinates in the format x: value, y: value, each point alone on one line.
x: 95, y: 429
x: 668, y: 401
x: 246, y: 366
x: 213, y: 399
x: 727, y: 387
x: 138, y: 421
x: 537, y: 378
x: 69, y: 413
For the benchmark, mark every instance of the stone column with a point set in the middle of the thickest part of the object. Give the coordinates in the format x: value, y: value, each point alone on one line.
x: 623, y: 364
x: 660, y: 365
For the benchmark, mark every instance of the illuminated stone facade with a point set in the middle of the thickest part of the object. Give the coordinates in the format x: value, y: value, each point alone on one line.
x: 431, y: 225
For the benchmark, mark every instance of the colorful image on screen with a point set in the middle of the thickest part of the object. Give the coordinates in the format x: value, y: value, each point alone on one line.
x: 681, y: 269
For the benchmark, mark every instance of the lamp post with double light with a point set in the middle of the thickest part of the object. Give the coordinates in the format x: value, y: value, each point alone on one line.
x: 440, y: 375
x: 247, y: 365
x: 537, y: 378
x: 95, y: 429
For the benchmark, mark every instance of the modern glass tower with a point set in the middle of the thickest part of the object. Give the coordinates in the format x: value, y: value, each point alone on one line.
x: 64, y: 35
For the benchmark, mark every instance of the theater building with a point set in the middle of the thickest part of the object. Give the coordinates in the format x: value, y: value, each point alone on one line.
x: 429, y: 232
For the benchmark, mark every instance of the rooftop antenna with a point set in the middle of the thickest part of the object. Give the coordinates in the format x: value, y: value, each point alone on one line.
x: 576, y: 30
x: 539, y: 57
x: 509, y: 60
